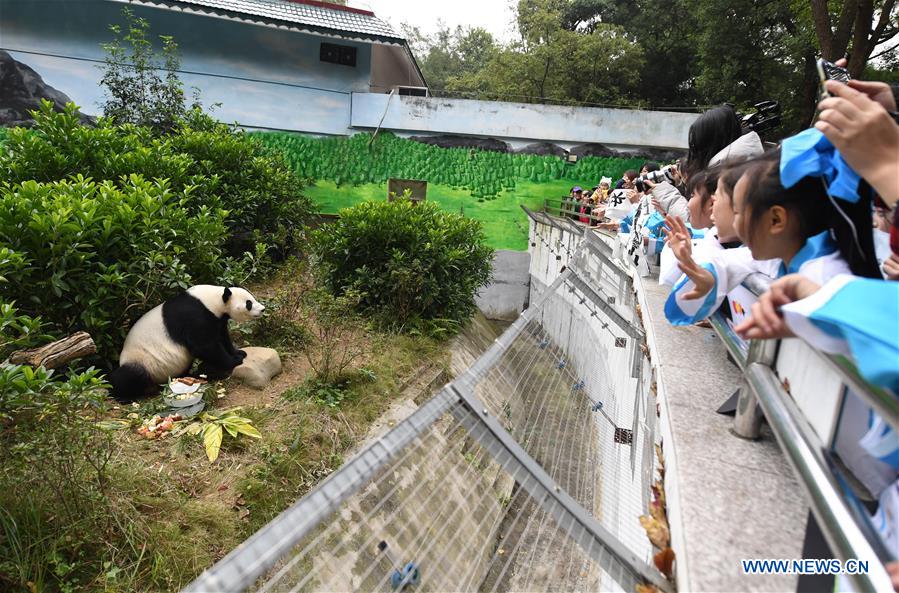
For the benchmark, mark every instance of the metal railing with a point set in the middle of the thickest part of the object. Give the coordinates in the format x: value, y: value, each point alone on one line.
x: 844, y: 522
x: 571, y: 210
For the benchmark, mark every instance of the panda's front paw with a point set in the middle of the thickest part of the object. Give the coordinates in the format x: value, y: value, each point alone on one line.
x: 241, y: 354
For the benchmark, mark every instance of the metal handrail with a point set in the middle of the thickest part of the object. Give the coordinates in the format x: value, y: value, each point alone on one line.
x: 845, y: 524
x: 569, y: 212
x: 843, y: 528
x: 884, y: 403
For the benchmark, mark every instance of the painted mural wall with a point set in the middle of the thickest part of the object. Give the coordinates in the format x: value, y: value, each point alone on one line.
x: 263, y: 77
x: 520, y: 121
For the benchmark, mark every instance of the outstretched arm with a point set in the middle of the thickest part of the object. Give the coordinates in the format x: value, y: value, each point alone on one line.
x: 680, y: 240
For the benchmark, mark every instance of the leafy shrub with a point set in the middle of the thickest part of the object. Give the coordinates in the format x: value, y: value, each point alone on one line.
x: 135, y: 91
x: 409, y: 263
x: 54, y: 478
x: 99, y: 256
x: 335, y: 336
x: 224, y: 167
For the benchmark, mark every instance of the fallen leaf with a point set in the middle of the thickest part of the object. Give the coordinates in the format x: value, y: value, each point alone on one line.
x: 658, y: 490
x: 664, y: 561
x: 223, y: 487
x: 656, y: 531
x: 657, y: 511
x: 647, y: 589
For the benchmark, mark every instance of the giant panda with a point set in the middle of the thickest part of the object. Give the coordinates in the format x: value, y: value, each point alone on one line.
x: 165, y: 342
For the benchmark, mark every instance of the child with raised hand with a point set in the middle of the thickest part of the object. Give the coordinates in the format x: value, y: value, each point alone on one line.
x: 800, y: 225
x: 719, y: 263
x: 701, y: 189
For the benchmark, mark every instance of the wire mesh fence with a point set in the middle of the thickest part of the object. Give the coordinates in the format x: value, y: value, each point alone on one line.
x: 527, y: 473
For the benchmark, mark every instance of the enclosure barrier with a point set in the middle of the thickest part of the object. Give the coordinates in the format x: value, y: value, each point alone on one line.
x: 568, y: 208
x: 844, y: 521
x: 529, y: 471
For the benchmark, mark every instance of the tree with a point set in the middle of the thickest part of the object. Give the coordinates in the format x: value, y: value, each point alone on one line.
x: 550, y: 62
x: 671, y: 53
x: 861, y: 25
x: 450, y: 54
x: 135, y: 92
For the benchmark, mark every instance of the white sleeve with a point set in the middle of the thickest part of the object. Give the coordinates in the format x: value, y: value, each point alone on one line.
x: 728, y: 267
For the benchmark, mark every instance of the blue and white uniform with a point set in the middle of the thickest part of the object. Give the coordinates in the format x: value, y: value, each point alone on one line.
x: 702, y: 240
x: 819, y: 260
x: 857, y: 317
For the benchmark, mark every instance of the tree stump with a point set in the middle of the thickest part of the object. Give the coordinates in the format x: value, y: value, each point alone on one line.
x: 58, y: 353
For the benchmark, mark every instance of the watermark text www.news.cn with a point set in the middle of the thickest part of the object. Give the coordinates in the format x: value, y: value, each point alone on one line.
x: 804, y: 566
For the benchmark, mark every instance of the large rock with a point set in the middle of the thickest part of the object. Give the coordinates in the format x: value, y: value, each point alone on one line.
x: 593, y: 149
x: 450, y: 141
x: 543, y: 149
x: 21, y: 90
x: 258, y: 368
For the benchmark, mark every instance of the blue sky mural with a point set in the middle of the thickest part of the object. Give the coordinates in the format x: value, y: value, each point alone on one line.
x: 262, y: 77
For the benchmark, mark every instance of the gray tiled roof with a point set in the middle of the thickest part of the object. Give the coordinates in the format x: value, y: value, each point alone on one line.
x: 318, y: 18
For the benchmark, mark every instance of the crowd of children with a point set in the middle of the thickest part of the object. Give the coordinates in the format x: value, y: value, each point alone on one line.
x: 816, y: 214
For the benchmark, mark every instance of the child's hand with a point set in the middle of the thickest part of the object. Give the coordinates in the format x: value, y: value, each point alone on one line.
x: 681, y: 243
x: 766, y: 321
x: 891, y: 267
x: 678, y: 238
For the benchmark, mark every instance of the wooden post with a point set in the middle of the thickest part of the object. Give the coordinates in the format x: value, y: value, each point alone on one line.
x: 58, y: 353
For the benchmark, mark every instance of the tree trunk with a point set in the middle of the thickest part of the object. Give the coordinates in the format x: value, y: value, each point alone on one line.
x: 833, y: 44
x: 58, y: 353
x: 821, y: 18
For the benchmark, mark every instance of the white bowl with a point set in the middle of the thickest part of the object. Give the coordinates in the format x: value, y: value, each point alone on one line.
x: 182, y: 403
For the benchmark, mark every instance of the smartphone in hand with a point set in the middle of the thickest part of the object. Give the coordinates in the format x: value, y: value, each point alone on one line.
x: 830, y: 71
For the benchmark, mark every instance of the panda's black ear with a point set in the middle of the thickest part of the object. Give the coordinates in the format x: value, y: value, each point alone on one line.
x: 226, y: 295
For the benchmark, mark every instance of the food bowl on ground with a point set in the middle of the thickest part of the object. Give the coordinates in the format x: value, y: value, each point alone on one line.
x: 184, y: 392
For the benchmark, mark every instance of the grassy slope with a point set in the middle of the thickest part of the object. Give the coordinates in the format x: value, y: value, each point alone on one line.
x: 487, y: 186
x: 505, y: 223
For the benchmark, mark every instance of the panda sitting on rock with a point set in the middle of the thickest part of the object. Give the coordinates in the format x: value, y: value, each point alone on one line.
x: 165, y: 342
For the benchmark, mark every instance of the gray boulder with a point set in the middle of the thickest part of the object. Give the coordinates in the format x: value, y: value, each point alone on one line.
x: 451, y: 141
x: 21, y: 90
x: 258, y: 368
x: 543, y: 149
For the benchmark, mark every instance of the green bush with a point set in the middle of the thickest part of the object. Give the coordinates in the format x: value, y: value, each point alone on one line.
x: 94, y: 256
x: 411, y: 264
x: 223, y: 167
x: 54, y: 516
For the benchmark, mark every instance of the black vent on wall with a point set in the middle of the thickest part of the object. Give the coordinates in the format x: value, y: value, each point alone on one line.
x: 344, y: 55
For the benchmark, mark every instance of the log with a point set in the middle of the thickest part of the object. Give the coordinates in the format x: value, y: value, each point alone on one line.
x: 58, y: 353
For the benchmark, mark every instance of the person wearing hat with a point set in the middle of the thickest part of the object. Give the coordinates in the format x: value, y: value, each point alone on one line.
x: 571, y: 205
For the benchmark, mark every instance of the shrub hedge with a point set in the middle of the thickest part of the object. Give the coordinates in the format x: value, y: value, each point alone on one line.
x: 103, y: 223
x: 223, y: 166
x: 99, y: 255
x: 412, y: 264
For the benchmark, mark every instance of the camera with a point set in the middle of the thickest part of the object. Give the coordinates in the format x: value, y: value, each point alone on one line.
x: 765, y: 117
x: 663, y: 174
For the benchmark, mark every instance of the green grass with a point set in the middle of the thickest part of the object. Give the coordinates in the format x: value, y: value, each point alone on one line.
x: 505, y: 223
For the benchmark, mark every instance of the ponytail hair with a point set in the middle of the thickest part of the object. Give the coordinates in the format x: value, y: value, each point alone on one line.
x: 849, y: 223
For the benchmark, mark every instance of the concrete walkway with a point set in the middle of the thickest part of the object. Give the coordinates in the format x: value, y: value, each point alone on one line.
x: 728, y: 498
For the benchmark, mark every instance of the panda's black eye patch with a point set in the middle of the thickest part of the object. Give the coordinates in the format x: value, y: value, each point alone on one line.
x: 249, y: 305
